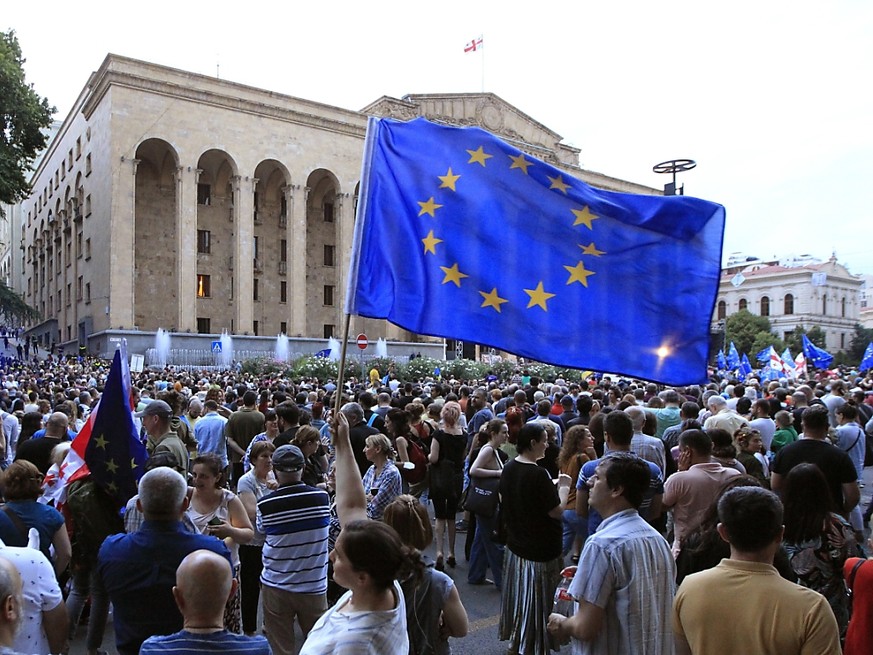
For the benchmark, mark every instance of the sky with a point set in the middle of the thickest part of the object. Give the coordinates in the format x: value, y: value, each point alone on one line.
x: 772, y: 99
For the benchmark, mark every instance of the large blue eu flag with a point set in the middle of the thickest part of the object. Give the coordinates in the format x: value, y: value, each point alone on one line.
x: 462, y: 235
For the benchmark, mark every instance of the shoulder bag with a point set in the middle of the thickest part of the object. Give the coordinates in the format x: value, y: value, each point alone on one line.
x: 483, y: 496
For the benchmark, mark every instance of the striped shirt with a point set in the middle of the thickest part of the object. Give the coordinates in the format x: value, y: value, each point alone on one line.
x: 294, y: 520
x: 629, y: 572
x: 188, y: 643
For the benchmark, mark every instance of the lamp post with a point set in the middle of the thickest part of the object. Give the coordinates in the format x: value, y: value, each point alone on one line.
x: 674, y: 166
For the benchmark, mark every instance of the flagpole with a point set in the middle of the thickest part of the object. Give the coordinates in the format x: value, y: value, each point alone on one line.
x: 482, y: 37
x: 342, y: 363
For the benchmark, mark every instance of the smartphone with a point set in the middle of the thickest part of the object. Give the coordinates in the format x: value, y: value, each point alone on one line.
x: 215, y: 521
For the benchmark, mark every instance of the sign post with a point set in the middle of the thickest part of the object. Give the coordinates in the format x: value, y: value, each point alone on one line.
x: 362, y: 342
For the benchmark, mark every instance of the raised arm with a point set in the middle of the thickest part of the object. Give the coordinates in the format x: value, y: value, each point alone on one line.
x: 351, y: 501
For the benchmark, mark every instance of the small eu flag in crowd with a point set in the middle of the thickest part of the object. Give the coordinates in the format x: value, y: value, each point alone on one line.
x: 464, y: 236
x: 815, y: 355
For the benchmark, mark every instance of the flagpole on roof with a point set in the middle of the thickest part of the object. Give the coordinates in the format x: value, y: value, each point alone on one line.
x: 482, y: 39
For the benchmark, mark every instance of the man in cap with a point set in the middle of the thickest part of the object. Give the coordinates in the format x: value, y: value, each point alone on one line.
x: 295, y: 520
x: 156, y: 422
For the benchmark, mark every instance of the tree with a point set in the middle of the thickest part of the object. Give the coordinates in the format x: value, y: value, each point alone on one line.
x: 746, y: 330
x: 858, y: 344
x: 23, y: 117
x: 13, y: 309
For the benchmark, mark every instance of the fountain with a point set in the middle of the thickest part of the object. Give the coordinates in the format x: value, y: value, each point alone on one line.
x: 281, y: 352
x: 381, y: 348
x: 333, y: 345
x: 226, y: 357
x: 162, y: 347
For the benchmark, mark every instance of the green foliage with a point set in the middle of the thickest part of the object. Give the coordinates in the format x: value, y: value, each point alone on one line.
x: 263, y: 366
x: 745, y: 329
x: 24, y: 115
x: 858, y: 344
x: 13, y: 309
x: 420, y: 368
x: 382, y: 365
x: 320, y: 368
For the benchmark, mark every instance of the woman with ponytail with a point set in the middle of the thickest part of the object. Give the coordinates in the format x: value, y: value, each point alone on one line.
x: 434, y: 611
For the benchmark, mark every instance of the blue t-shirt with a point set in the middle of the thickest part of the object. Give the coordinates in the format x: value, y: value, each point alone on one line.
x: 47, y: 520
x: 656, y: 487
x: 188, y: 643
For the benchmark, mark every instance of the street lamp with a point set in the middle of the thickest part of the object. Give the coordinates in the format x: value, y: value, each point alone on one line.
x: 673, y: 166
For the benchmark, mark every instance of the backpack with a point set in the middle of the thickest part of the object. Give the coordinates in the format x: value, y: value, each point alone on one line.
x: 94, y: 516
x: 417, y: 456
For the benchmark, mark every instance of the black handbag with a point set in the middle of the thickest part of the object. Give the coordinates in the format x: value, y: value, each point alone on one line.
x: 483, y: 493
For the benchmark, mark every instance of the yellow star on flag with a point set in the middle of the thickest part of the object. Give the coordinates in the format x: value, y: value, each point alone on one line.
x: 492, y: 299
x: 559, y: 184
x: 112, y: 488
x: 578, y: 273
x: 132, y: 463
x: 448, y: 180
x: 590, y: 249
x: 583, y: 217
x: 428, y: 207
x: 430, y: 242
x: 478, y: 156
x: 112, y: 466
x: 453, y: 275
x: 100, y: 441
x: 520, y: 162
x: 539, y: 296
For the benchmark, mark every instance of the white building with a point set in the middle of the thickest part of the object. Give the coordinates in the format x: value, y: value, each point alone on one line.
x: 822, y: 294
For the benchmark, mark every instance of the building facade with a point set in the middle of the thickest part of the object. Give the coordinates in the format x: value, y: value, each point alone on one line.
x: 175, y: 200
x: 822, y: 294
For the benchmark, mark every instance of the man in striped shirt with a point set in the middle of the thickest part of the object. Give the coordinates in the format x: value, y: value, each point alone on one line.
x: 294, y: 519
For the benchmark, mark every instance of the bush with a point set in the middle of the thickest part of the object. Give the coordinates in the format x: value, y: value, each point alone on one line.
x: 419, y: 369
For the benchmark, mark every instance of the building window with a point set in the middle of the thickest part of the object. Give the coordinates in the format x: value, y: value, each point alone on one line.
x: 87, y: 248
x: 328, y: 331
x: 824, y: 305
x: 843, y: 308
x: 255, y: 215
x: 283, y: 250
x: 78, y: 147
x: 204, y: 194
x: 87, y: 205
x: 80, y: 288
x: 87, y: 164
x: 283, y: 327
x: 255, y: 327
x: 283, y: 291
x: 722, y: 310
x: 204, y: 241
x: 203, y: 326
x: 328, y: 212
x: 765, y: 306
x: 204, y: 289
x: 789, y: 303
x: 283, y: 211
x: 256, y: 247
x: 842, y: 341
x: 743, y: 304
x: 255, y: 288
x: 328, y: 295
x: 68, y: 249
x: 87, y: 293
x: 78, y: 245
x: 69, y: 293
x: 329, y: 255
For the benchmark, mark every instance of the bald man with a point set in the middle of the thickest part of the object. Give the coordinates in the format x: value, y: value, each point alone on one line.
x: 38, y: 451
x: 11, y: 604
x: 204, y: 582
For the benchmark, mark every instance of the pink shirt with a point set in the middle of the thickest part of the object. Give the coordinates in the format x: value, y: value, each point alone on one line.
x: 691, y: 493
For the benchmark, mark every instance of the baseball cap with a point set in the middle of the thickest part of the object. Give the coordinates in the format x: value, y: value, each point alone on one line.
x: 156, y: 408
x: 288, y: 458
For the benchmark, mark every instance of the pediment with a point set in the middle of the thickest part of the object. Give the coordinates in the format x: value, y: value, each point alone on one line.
x: 485, y: 110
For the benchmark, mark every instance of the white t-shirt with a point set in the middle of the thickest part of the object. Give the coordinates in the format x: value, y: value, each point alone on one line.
x: 360, y: 633
x: 41, y: 594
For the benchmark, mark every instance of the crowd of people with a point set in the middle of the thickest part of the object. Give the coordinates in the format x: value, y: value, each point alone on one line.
x: 311, y: 506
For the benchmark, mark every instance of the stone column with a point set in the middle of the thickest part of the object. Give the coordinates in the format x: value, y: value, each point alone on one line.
x: 122, y: 285
x: 243, y: 220
x: 186, y: 247
x: 297, y: 260
x: 345, y: 230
